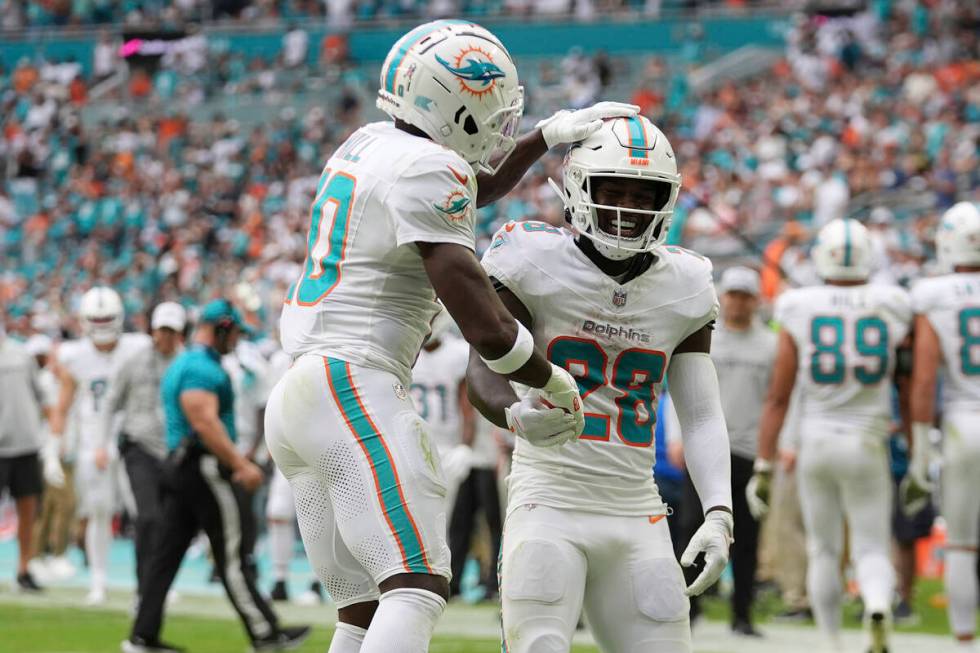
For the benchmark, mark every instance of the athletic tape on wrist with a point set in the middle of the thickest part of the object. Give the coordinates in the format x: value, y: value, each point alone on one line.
x: 520, y: 352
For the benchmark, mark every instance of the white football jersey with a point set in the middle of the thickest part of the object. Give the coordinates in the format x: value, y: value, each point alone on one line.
x: 951, y: 303
x: 846, y: 337
x: 364, y: 296
x: 616, y: 340
x: 435, y: 389
x: 92, y: 371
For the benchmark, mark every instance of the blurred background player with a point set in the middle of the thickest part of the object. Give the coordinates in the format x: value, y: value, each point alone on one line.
x: 20, y: 446
x: 947, y: 335
x: 52, y: 529
x: 585, y: 522
x: 844, y: 338
x: 134, y: 391
x: 85, y: 370
x: 358, y: 315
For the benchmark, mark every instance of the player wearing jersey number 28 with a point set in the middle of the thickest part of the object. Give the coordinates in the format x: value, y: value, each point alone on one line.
x: 848, y: 337
x: 393, y: 227
x: 617, y: 309
x: 947, y: 332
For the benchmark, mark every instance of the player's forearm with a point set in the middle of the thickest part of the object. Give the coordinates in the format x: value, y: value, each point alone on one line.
x: 697, y: 402
x: 490, y: 188
x: 774, y: 411
x: 59, y: 415
x: 467, y: 414
x: 215, y: 438
x: 488, y: 392
x: 922, y: 392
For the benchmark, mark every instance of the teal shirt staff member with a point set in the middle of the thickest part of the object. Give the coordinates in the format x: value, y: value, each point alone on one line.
x: 197, y: 395
x: 198, y: 368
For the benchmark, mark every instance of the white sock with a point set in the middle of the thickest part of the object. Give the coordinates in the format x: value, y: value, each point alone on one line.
x: 876, y: 578
x: 823, y: 584
x: 347, y: 638
x: 280, y: 548
x: 404, y: 622
x: 961, y: 587
x: 98, y: 539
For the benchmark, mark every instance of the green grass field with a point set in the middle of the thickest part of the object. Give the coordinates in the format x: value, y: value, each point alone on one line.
x: 37, y: 629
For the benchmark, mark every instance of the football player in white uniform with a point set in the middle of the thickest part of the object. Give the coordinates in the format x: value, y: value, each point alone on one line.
x: 617, y: 309
x: 84, y: 368
x: 947, y: 332
x: 392, y: 228
x: 840, y: 343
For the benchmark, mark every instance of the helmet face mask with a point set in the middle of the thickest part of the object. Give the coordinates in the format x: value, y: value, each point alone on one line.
x: 101, y: 315
x: 620, y: 187
x: 456, y: 82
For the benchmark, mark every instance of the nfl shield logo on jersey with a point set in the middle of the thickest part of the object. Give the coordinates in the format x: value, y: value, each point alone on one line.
x: 619, y: 297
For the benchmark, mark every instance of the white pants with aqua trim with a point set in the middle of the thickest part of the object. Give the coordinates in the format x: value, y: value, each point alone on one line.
x: 622, y: 570
x: 366, y: 477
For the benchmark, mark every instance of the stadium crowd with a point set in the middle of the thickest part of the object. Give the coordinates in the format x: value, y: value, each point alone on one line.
x: 875, y: 116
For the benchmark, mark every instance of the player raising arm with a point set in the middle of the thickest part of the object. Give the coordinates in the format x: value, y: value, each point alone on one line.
x: 947, y: 332
x: 845, y: 336
x: 392, y: 227
x: 618, y: 310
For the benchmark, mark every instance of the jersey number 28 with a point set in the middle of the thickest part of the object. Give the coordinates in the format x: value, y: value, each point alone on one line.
x: 635, y: 375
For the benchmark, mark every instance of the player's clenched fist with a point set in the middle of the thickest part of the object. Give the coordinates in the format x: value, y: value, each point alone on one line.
x: 561, y: 391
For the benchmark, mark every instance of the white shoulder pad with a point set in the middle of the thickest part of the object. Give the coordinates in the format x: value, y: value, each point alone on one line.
x: 897, y: 303
x: 514, y: 246
x: 693, y: 273
x: 790, y: 312
x: 926, y: 293
x: 434, y: 199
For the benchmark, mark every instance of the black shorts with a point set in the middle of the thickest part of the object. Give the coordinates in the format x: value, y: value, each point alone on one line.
x: 21, y: 475
x: 907, y: 530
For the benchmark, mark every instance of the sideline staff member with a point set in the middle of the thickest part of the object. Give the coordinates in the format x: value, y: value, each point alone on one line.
x: 208, y: 484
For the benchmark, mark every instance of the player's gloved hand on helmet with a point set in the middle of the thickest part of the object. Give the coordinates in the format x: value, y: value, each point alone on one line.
x: 915, y: 489
x: 759, y: 488
x: 562, y: 391
x: 714, y: 537
x: 572, y: 126
x: 54, y: 474
x: 540, y: 423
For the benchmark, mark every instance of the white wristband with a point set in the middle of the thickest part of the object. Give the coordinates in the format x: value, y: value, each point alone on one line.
x: 520, y: 352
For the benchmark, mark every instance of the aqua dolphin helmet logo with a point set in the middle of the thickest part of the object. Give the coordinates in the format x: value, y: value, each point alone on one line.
x: 475, y: 70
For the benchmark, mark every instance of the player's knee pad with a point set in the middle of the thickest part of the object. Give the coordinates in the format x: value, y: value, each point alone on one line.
x: 533, y: 572
x: 537, y: 641
x: 658, y: 589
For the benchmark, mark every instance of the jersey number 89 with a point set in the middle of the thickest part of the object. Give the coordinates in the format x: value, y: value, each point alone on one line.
x: 828, y: 337
x: 635, y: 374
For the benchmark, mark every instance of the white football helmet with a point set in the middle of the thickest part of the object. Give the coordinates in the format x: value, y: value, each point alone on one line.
x: 456, y: 82
x: 958, y: 236
x: 630, y: 148
x: 101, y: 315
x: 842, y: 251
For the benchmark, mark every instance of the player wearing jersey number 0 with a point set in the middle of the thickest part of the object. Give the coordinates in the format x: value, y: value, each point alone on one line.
x: 947, y: 332
x: 845, y: 338
x: 392, y: 227
x: 618, y: 310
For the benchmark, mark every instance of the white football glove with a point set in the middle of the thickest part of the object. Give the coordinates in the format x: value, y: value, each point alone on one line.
x: 573, y: 126
x: 758, y: 491
x: 540, y: 423
x: 561, y: 391
x: 54, y: 475
x: 713, y: 538
x: 915, y: 489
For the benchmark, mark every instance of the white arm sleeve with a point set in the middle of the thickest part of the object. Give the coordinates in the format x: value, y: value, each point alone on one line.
x: 697, y: 401
x: 672, y: 429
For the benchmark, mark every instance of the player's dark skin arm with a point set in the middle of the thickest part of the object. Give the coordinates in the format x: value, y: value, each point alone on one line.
x: 489, y: 392
x: 490, y: 188
x: 776, y: 405
x: 903, y: 383
x: 486, y: 324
